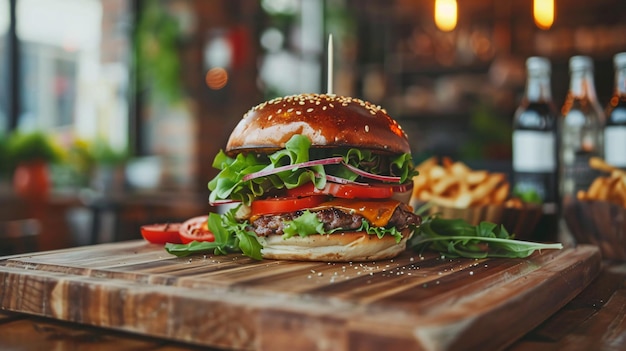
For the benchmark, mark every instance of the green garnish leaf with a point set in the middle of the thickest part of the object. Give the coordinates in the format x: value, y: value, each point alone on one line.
x: 305, y: 225
x: 230, y: 236
x: 458, y: 238
x: 380, y: 231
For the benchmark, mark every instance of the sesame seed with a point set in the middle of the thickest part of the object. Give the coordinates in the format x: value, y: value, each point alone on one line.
x: 367, y: 128
x: 309, y: 110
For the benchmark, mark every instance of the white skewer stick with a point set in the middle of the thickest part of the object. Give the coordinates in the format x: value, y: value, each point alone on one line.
x: 329, y: 79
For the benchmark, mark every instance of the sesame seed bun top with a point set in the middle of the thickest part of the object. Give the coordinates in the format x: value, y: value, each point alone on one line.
x: 328, y: 120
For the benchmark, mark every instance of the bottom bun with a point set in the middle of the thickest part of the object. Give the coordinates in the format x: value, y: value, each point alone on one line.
x: 337, y: 247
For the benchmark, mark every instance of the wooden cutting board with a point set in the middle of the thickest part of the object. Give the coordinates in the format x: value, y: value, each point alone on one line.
x: 412, y: 302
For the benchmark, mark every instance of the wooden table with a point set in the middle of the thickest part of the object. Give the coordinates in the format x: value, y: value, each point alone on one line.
x: 594, y: 319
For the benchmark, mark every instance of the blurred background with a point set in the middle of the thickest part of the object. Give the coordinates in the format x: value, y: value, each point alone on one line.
x: 121, y: 105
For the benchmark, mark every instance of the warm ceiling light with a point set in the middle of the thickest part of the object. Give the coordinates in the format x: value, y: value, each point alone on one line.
x: 543, y: 12
x: 445, y: 14
x: 216, y: 78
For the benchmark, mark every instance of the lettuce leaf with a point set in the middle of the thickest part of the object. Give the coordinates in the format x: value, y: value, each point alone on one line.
x: 229, y: 184
x: 305, y: 225
x: 309, y: 224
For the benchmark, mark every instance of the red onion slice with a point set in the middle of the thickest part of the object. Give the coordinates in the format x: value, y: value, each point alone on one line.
x: 266, y: 172
x: 223, y: 202
x: 362, y: 173
x: 339, y: 180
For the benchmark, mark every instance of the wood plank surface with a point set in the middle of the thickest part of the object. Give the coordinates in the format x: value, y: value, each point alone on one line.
x: 417, y: 302
x: 19, y: 332
x: 594, y: 320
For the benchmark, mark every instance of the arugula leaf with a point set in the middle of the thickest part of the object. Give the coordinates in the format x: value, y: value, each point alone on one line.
x: 230, y: 236
x: 249, y: 244
x: 182, y: 250
x: 458, y: 238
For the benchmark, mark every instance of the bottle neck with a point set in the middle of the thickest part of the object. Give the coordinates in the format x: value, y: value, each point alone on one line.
x: 538, y: 88
x: 582, y: 85
x: 620, y: 81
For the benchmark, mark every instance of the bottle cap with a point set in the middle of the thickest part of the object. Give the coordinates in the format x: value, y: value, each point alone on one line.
x: 538, y: 64
x: 620, y: 59
x: 578, y: 63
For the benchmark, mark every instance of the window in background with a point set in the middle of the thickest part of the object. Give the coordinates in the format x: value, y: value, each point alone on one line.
x: 74, y: 68
x: 4, y: 84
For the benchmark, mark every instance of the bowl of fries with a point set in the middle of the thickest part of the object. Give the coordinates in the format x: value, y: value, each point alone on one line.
x: 456, y: 191
x: 598, y: 215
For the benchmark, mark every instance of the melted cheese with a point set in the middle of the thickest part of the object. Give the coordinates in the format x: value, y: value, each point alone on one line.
x: 377, y: 212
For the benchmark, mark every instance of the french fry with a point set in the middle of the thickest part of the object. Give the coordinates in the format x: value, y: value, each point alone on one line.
x: 620, y: 190
x: 601, y: 165
x: 501, y: 193
x: 514, y: 203
x: 447, y: 163
x: 596, y: 188
x: 459, y: 169
x: 437, y: 172
x: 610, y: 187
x: 483, y: 189
x: 477, y: 177
x: 443, y: 184
x: 454, y: 184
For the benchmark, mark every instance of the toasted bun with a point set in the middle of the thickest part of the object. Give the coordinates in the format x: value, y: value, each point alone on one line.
x: 328, y: 120
x: 338, y: 247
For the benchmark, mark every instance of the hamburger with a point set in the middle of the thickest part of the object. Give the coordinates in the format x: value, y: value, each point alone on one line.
x: 316, y: 177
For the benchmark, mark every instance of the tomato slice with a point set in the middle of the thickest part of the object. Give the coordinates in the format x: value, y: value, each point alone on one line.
x: 346, y: 191
x: 196, y: 229
x: 285, y: 204
x: 161, y: 233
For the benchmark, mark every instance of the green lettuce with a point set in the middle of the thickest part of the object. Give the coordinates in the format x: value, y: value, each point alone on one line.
x: 229, y: 183
x: 309, y: 224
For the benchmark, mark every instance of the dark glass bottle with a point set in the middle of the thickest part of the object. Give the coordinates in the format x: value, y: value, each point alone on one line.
x: 581, y: 129
x: 535, y: 156
x: 615, y: 127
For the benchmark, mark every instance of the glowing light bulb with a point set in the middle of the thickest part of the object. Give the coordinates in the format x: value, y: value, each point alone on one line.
x: 216, y: 78
x: 445, y: 14
x: 543, y: 13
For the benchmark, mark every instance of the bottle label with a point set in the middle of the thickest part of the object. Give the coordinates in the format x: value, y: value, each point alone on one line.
x: 534, y: 151
x: 615, y: 146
